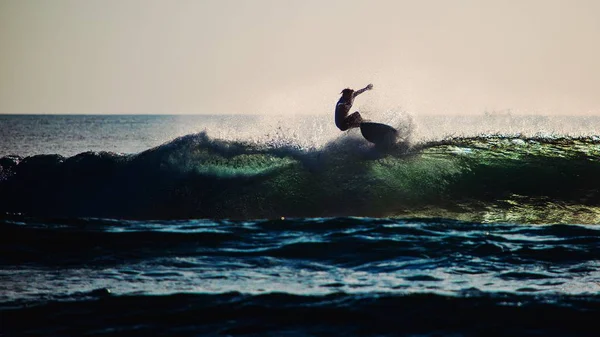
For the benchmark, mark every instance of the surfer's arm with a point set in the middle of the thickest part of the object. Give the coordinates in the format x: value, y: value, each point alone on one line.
x: 358, y: 92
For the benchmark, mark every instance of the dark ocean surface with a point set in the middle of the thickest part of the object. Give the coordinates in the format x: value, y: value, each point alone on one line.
x: 236, y: 225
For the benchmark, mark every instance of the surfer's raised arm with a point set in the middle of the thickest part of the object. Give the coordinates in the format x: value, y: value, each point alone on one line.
x: 358, y: 92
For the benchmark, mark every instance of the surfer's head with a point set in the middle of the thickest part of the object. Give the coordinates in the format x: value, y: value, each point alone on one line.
x: 347, y: 92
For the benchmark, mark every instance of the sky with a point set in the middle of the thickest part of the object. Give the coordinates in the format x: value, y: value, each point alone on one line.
x: 294, y: 57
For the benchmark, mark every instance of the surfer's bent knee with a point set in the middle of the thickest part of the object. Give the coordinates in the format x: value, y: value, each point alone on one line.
x: 351, y: 121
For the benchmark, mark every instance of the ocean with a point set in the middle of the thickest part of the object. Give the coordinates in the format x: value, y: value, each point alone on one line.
x: 283, y: 226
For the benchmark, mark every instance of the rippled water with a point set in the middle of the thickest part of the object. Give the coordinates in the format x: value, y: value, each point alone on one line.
x: 293, y: 263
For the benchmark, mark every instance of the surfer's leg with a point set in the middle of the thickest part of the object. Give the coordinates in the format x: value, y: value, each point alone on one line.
x: 353, y: 120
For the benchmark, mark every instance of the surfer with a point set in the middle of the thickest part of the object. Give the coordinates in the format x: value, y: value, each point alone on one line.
x: 342, y: 120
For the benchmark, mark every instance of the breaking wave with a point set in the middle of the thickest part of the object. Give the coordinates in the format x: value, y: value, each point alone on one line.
x: 491, y: 178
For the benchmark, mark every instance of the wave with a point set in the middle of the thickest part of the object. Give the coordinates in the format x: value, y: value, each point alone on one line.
x: 472, y: 313
x: 486, y: 178
x: 347, y: 276
x: 342, y: 241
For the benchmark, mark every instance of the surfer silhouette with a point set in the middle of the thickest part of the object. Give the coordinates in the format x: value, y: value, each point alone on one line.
x: 342, y: 120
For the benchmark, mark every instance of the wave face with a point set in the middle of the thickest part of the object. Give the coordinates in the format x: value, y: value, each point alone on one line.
x: 297, y: 277
x: 495, y: 178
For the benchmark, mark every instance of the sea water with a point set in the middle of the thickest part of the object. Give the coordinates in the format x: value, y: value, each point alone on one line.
x: 246, y: 225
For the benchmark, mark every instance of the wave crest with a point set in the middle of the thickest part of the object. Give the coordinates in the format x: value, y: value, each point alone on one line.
x: 487, y: 178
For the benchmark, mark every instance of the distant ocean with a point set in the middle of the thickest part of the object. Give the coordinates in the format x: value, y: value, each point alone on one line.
x: 284, y: 226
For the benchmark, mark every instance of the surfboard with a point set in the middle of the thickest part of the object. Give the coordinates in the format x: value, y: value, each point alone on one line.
x: 378, y: 133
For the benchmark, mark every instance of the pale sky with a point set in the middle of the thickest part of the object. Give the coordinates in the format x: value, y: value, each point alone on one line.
x: 295, y: 56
